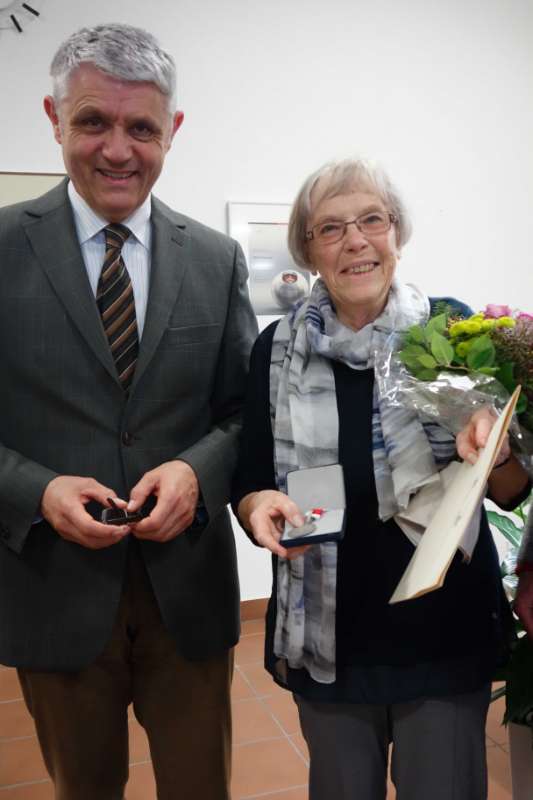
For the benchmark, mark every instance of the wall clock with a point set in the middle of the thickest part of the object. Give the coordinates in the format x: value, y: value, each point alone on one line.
x: 16, y: 15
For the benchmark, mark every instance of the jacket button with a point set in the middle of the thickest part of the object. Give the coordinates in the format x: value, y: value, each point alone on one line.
x: 127, y: 439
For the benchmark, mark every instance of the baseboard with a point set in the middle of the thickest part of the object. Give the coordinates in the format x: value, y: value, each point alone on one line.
x: 253, y: 609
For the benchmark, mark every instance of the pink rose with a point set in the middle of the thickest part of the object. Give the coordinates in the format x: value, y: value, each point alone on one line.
x: 524, y: 316
x: 494, y: 311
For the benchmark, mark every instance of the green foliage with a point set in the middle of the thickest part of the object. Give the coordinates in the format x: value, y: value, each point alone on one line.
x: 506, y: 526
x: 441, y: 349
x: 518, y: 673
x: 521, y: 408
x: 427, y: 349
x: 436, y: 324
x: 481, y: 353
x: 506, y: 377
x: 476, y: 344
x: 417, y: 334
x: 442, y: 307
x: 428, y: 375
x: 427, y: 361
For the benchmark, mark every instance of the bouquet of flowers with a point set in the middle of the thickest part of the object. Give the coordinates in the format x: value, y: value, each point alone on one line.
x: 495, y: 343
x: 452, y: 365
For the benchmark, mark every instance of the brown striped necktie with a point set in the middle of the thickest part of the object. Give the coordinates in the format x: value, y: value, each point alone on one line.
x: 115, y: 300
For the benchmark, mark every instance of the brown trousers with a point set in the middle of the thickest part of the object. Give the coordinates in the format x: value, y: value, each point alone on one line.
x: 82, y: 718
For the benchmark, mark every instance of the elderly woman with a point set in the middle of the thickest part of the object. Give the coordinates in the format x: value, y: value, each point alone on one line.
x: 365, y: 673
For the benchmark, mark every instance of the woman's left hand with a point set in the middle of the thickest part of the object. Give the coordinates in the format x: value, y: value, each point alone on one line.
x: 474, y: 437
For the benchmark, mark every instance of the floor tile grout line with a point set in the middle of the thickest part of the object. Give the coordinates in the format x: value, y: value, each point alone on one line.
x: 304, y: 758
x: 272, y: 793
x: 276, y: 720
x: 278, y: 723
x: 247, y: 680
x: 502, y: 747
x: 25, y: 783
x: 236, y: 700
x: 285, y: 733
x: 261, y: 699
x: 259, y: 741
x: 4, y: 739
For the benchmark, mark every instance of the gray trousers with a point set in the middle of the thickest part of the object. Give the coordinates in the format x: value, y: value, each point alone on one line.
x: 438, y: 748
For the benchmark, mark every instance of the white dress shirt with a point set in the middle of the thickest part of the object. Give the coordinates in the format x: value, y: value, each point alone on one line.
x: 136, y: 250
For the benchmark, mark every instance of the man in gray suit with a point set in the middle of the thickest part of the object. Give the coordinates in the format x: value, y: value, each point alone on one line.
x: 125, y: 335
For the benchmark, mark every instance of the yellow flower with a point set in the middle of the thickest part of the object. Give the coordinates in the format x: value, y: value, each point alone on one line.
x: 488, y: 325
x: 463, y: 347
x: 505, y: 322
x: 472, y: 327
x: 457, y: 329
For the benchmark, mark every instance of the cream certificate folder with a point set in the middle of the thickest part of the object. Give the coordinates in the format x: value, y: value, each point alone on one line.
x: 429, y: 564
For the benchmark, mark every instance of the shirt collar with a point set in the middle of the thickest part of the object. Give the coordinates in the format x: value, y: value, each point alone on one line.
x: 90, y: 224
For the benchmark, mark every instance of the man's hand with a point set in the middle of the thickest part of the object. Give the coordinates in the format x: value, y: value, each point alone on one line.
x: 264, y: 513
x: 63, y: 506
x: 474, y: 436
x: 523, y: 604
x: 175, y: 485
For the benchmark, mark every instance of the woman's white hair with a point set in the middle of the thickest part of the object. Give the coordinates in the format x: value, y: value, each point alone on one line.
x: 122, y: 51
x: 342, y: 177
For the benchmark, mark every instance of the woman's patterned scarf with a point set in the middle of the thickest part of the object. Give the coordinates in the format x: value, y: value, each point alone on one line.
x: 407, y: 453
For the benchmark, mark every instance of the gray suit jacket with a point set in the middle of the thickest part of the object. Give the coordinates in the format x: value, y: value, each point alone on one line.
x: 62, y: 411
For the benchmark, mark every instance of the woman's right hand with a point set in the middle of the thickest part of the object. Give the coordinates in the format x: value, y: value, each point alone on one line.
x: 264, y: 514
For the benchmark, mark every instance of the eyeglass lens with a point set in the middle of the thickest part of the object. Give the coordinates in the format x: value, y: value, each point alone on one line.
x: 370, y: 224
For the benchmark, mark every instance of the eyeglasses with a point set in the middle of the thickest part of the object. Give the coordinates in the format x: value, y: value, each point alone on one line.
x: 370, y: 224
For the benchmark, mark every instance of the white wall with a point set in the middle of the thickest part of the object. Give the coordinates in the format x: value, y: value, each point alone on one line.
x: 438, y: 90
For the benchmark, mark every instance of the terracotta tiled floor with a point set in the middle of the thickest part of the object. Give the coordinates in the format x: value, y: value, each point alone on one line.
x: 269, y: 756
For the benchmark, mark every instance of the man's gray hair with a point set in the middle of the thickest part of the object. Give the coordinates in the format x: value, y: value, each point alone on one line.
x: 342, y: 177
x: 122, y: 51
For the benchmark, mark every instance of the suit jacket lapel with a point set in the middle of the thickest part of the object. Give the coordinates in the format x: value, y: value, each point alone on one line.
x: 169, y: 264
x: 51, y: 230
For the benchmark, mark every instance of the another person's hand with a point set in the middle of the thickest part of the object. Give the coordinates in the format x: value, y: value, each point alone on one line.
x: 175, y: 486
x: 523, y: 604
x: 474, y: 437
x: 63, y: 506
x: 264, y: 513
